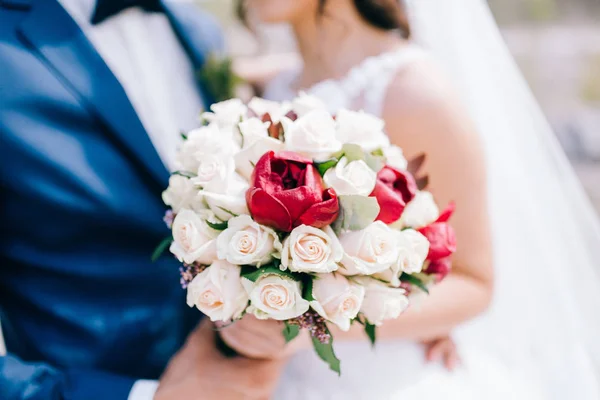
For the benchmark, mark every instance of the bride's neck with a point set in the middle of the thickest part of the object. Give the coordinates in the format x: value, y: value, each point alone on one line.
x: 330, y: 45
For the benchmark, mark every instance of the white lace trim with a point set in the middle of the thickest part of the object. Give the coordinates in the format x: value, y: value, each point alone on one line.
x: 365, y: 83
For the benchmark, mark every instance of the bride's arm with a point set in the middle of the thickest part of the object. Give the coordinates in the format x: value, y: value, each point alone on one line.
x: 422, y: 114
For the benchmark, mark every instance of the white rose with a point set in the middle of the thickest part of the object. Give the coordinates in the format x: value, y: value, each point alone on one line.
x: 207, y: 140
x: 337, y: 299
x: 360, y: 128
x: 420, y: 211
x: 309, y: 249
x: 351, y: 178
x: 213, y: 172
x: 245, y: 242
x: 305, y: 103
x: 246, y: 159
x: 181, y: 193
x: 226, y: 113
x: 276, y: 297
x: 218, y: 292
x: 275, y: 109
x: 192, y: 239
x: 369, y: 250
x: 312, y: 135
x: 381, y: 302
x: 395, y: 157
x: 252, y: 130
x: 413, y: 249
x: 230, y: 202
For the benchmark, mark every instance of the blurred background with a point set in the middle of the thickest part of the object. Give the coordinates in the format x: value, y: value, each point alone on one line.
x: 555, y: 42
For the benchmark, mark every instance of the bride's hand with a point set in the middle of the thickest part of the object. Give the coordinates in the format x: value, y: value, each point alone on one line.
x: 444, y: 350
x: 261, y: 339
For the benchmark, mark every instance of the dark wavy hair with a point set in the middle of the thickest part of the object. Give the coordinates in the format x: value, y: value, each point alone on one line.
x: 388, y: 15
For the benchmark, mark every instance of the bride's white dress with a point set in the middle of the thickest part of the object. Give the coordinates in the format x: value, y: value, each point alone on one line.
x: 393, y: 369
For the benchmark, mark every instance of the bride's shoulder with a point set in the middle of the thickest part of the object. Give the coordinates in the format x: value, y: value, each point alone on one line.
x: 422, y: 100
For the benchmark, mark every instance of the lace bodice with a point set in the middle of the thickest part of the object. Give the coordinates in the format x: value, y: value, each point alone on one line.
x: 363, y: 87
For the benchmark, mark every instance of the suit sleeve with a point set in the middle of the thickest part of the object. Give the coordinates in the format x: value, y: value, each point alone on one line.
x: 21, y: 380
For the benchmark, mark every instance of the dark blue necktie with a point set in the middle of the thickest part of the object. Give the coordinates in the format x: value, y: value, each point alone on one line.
x: 107, y: 8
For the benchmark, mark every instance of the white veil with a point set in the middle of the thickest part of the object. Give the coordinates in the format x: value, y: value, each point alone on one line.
x: 546, y: 312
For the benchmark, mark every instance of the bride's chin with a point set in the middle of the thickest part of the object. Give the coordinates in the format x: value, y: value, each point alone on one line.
x: 279, y: 11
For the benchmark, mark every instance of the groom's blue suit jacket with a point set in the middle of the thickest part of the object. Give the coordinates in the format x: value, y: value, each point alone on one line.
x: 83, y: 309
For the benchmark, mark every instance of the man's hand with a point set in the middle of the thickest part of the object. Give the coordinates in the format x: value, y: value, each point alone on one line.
x: 199, y: 371
x: 261, y: 339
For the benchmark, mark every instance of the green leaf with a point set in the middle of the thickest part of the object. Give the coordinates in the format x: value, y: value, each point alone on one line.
x: 253, y: 273
x: 218, y: 78
x: 357, y: 212
x: 413, y: 280
x: 290, y: 332
x: 220, y: 226
x: 186, y: 174
x: 183, y: 135
x: 162, y: 246
x: 308, y: 288
x: 370, y: 331
x: 326, y: 353
x: 227, y: 211
x: 322, y: 167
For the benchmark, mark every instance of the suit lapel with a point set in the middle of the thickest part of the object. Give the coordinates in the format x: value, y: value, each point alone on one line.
x: 61, y: 44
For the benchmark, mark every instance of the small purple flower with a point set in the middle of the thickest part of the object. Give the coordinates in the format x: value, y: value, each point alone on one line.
x: 188, y: 273
x: 168, y: 218
x: 315, y: 324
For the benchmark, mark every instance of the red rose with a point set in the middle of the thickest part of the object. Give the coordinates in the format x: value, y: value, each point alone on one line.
x: 440, y: 268
x: 442, y: 241
x: 286, y: 191
x: 393, y: 190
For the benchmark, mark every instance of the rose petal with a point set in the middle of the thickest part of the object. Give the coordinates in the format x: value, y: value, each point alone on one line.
x: 442, y: 240
x: 321, y: 214
x: 440, y: 268
x: 447, y: 213
x: 291, y: 156
x: 261, y: 177
x: 267, y: 210
x: 313, y: 179
x: 391, y: 203
x: 298, y: 200
x: 401, y: 181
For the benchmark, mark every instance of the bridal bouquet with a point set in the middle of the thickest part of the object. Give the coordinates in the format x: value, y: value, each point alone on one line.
x: 286, y: 212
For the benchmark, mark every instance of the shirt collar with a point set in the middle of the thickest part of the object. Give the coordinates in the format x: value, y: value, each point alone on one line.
x: 80, y: 10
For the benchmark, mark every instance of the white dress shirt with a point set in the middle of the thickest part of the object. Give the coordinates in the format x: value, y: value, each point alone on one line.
x: 145, y: 55
x: 143, y: 52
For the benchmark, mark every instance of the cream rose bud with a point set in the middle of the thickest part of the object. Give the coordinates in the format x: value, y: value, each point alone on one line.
x: 213, y: 172
x: 181, y: 193
x: 395, y: 157
x: 305, y: 103
x: 276, y: 297
x: 351, y: 178
x: 362, y: 129
x: 309, y: 249
x: 381, y: 302
x: 413, y: 248
x: 192, y: 239
x: 337, y: 299
x: 276, y: 110
x: 226, y: 113
x: 312, y: 135
x: 420, y: 212
x: 368, y: 251
x: 252, y: 130
x: 218, y: 292
x: 245, y: 242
